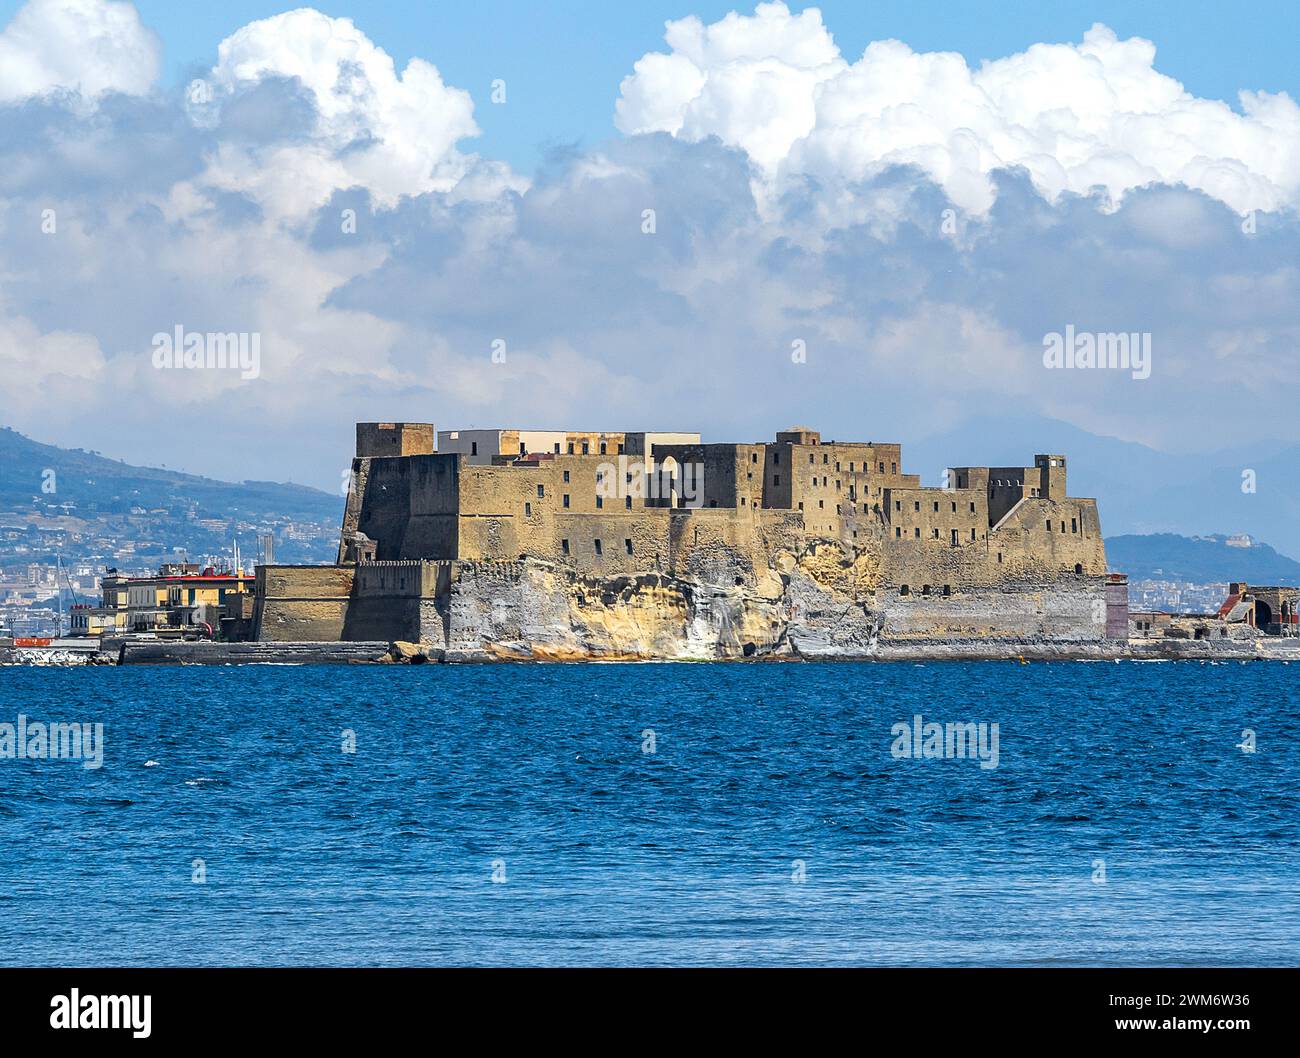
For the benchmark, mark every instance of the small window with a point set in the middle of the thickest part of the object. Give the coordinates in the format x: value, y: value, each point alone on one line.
x: 541, y: 491
x: 936, y: 506
x: 918, y: 532
x: 972, y: 533
x: 566, y: 499
x: 972, y: 507
x: 999, y: 558
x: 586, y: 448
x: 598, y: 549
x: 557, y: 448
x: 570, y: 448
x: 602, y: 447
x: 821, y: 504
x: 627, y: 502
x: 947, y: 590
x: 600, y: 502
x: 893, y: 468
x: 627, y: 546
x: 528, y: 510
x: 898, y: 531
x: 1074, y: 525
x: 566, y: 477
x: 564, y: 546
x: 1078, y: 569
x: 1049, y: 525
x: 523, y: 449
x: 776, y: 479
x: 776, y: 459
x: 904, y: 590
x: 753, y: 457
x: 473, y: 448
x: 811, y: 458
x: 916, y: 506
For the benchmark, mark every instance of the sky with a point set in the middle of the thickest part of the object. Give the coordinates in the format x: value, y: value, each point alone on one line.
x: 873, y: 218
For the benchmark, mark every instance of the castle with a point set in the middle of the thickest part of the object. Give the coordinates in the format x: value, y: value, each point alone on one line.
x: 512, y: 543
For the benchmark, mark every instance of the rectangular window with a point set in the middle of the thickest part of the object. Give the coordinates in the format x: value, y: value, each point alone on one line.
x: 821, y: 504
x: 523, y: 449
x: 541, y: 491
x: 570, y: 448
x: 972, y: 534
x: 776, y: 479
x: 1074, y: 525
x: 566, y: 477
x: 917, y: 505
x: 776, y: 459
x: 972, y: 508
x: 627, y: 502
x: 600, y: 502
x: 898, y: 505
x: 528, y: 510
x: 893, y: 468
x: 566, y: 499
x: 598, y: 549
x: 999, y: 558
x: 473, y: 448
x: 627, y: 546
x: 557, y: 448
x: 586, y: 448
x: 564, y: 546
x: 602, y: 447
x: 918, y: 532
x: 936, y: 506
x: 898, y: 532
x: 1049, y: 525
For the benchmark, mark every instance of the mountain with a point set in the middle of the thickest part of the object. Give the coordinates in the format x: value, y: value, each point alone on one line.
x: 1139, y: 490
x: 1199, y: 560
x: 92, y: 508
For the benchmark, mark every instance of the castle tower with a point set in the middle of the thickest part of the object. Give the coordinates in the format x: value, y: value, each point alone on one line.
x: 394, y: 439
x: 1051, y: 470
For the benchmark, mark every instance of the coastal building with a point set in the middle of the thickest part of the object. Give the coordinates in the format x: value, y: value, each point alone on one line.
x: 182, y: 596
x: 645, y: 544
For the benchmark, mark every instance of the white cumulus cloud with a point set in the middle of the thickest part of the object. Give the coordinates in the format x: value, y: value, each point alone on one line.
x: 394, y: 134
x: 1075, y: 116
x: 88, y: 47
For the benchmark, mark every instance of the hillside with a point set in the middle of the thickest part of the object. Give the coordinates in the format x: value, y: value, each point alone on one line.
x: 1199, y: 560
x: 93, y: 508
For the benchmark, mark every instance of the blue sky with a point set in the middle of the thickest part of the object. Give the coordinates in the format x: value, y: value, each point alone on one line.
x: 563, y: 61
x: 650, y: 226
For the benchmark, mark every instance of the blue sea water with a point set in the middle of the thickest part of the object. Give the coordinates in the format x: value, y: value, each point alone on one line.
x: 683, y: 856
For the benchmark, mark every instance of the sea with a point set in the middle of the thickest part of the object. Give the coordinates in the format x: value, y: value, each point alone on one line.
x: 697, y: 814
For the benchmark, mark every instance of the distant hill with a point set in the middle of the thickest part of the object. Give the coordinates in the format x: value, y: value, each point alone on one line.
x: 1199, y: 560
x: 94, y: 501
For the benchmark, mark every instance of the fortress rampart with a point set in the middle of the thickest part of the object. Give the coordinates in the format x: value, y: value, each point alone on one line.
x: 656, y: 545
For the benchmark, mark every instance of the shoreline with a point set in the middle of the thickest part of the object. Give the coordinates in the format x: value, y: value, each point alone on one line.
x: 382, y: 653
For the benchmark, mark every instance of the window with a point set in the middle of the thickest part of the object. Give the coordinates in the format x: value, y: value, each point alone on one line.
x: 972, y: 533
x: 947, y: 590
x: 627, y: 502
x: 936, y: 506
x: 1049, y: 525
x: 904, y: 590
x: 523, y: 449
x: 936, y: 534
x: 570, y: 448
x: 564, y: 546
x: 557, y: 448
x: 972, y: 507
x: 600, y: 502
x: 917, y: 532
x: 598, y: 549
x: 916, y: 506
x: 1074, y: 525
x: 473, y: 448
x: 837, y: 466
x: 825, y: 458
x: 541, y: 491
x: 627, y: 546
x: 821, y: 504
x: 999, y: 558
x: 801, y: 505
x: 753, y: 457
x: 776, y: 479
x: 898, y: 532
x: 528, y: 510
x: 602, y: 447
x: 893, y: 468
x: 955, y: 540
x: 882, y: 468
x: 1078, y: 568
x: 954, y: 506
x: 566, y: 477
x: 566, y: 499
x: 898, y: 505
x: 586, y: 448
x: 811, y: 459
x: 776, y: 459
